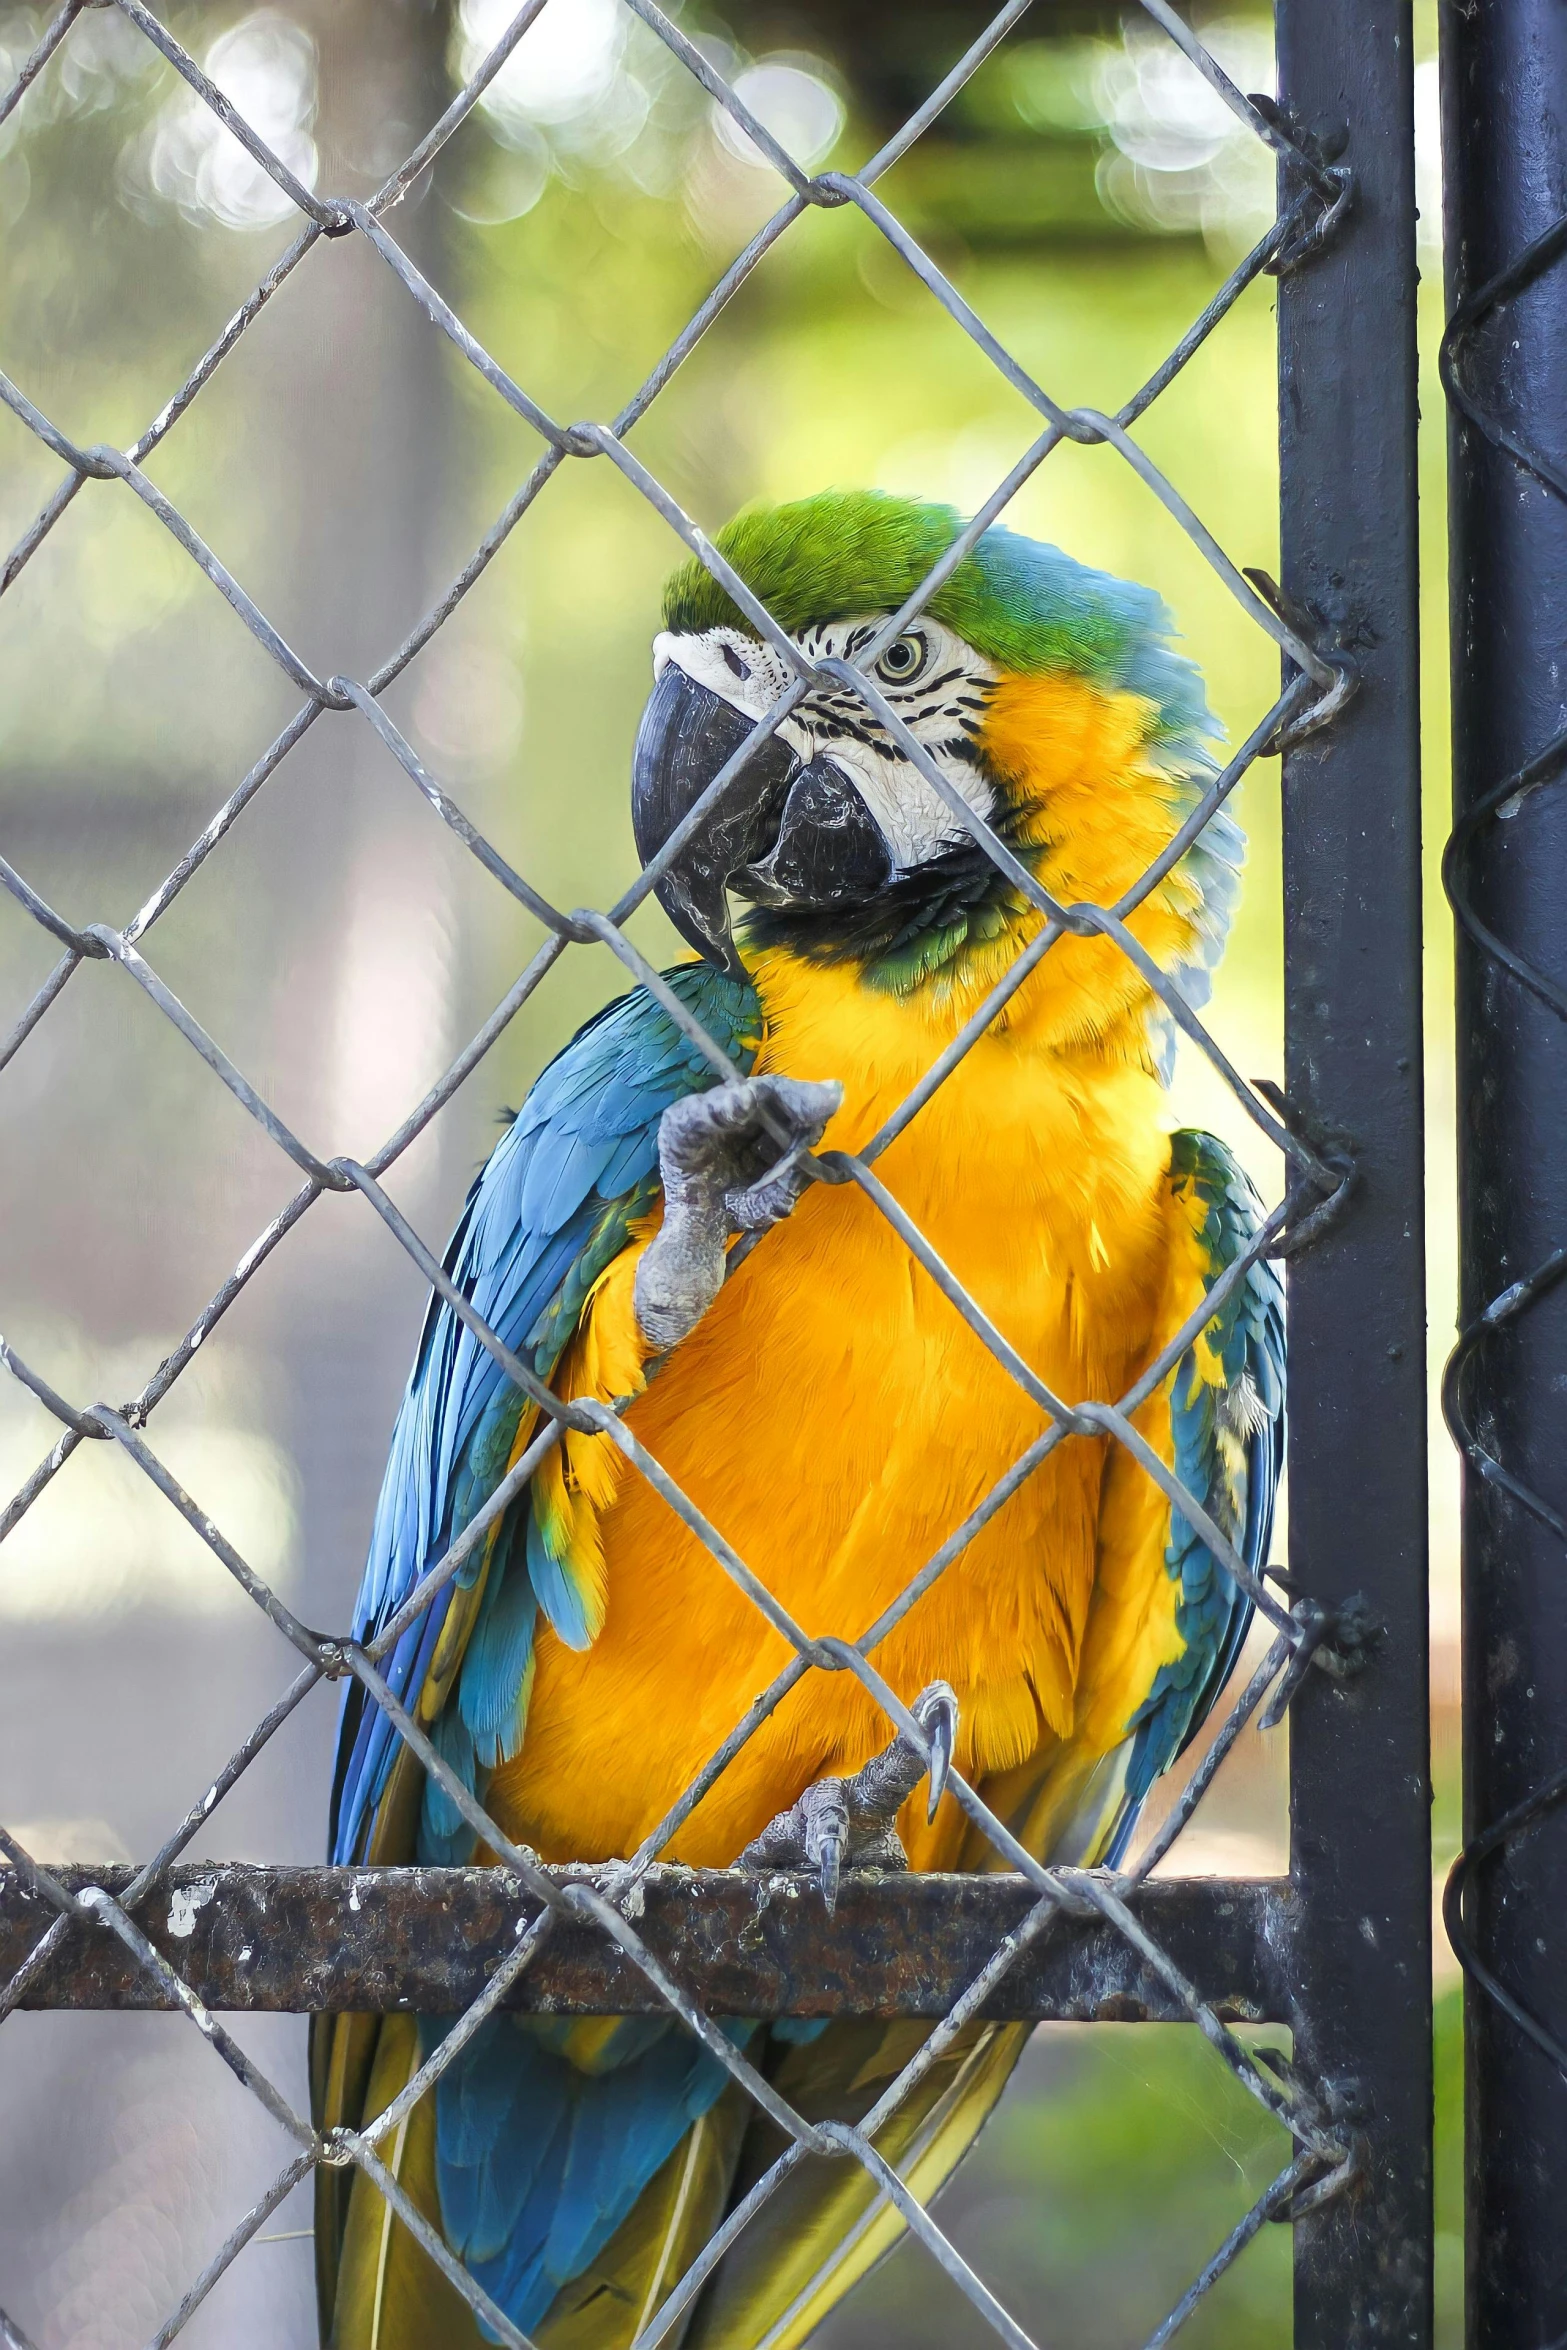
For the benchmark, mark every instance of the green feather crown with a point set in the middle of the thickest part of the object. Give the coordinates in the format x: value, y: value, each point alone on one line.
x: 1025, y: 606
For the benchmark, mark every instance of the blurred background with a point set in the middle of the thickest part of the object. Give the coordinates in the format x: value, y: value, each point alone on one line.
x: 1087, y: 194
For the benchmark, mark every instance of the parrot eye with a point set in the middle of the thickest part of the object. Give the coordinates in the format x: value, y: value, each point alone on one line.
x: 903, y: 660
x: 738, y: 667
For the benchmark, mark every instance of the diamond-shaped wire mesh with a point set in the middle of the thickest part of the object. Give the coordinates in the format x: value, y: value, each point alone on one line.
x: 1312, y: 199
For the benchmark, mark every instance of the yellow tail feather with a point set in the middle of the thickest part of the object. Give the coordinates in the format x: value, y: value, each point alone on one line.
x: 389, y: 2295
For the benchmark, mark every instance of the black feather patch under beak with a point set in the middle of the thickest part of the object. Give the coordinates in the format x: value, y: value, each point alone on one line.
x: 830, y: 850
x: 783, y: 833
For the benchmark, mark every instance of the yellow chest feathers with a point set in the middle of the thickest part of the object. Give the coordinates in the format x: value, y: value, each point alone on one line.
x: 1035, y: 1171
x: 837, y: 1420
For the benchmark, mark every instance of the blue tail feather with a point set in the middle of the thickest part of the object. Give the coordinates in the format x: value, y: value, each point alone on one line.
x: 538, y: 2162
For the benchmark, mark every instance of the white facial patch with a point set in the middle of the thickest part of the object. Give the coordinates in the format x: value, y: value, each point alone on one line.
x: 935, y: 682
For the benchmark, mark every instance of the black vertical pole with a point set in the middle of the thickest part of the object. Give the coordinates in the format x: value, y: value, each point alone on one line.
x: 1504, y: 68
x: 1359, y: 1748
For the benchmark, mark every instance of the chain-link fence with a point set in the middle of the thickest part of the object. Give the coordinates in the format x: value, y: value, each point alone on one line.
x: 640, y: 1933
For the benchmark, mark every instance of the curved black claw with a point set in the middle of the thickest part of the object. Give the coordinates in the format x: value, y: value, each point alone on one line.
x: 829, y: 1865
x: 843, y: 1825
x: 936, y: 1711
x: 825, y: 1815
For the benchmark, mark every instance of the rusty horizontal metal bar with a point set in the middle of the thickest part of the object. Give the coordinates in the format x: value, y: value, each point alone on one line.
x: 303, y: 1940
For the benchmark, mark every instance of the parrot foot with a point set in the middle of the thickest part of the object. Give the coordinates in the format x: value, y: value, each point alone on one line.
x: 848, y: 1824
x: 724, y: 1171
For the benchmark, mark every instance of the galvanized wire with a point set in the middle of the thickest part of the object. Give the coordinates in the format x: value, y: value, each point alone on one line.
x: 1312, y: 200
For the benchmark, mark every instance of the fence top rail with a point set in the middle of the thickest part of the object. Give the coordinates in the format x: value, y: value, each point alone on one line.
x: 303, y: 1940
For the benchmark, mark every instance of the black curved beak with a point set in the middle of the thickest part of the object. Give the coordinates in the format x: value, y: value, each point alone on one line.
x: 784, y: 833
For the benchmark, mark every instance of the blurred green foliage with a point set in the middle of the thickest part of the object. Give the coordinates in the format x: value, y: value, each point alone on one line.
x: 1117, y: 2165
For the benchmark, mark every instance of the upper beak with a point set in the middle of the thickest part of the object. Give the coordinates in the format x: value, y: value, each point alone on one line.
x: 687, y: 735
x: 786, y: 832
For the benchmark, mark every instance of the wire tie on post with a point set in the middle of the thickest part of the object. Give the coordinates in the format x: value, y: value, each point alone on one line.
x: 1339, y: 1637
x: 1345, y: 683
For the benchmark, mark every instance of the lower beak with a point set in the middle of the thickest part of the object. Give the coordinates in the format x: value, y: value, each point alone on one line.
x: 784, y: 833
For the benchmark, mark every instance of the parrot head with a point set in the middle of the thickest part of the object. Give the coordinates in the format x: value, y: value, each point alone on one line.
x: 1046, y: 694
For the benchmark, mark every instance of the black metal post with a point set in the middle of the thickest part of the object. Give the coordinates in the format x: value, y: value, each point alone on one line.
x: 1504, y: 74
x: 1359, y: 1747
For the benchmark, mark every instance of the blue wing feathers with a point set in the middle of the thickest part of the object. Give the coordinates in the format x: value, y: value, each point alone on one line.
x: 1247, y: 1336
x: 539, y: 2158
x: 548, y: 1212
x: 497, y: 1671
x: 445, y: 1838
x: 558, y: 1594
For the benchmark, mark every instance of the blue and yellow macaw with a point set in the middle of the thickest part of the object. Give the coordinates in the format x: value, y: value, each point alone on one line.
x: 827, y: 1408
